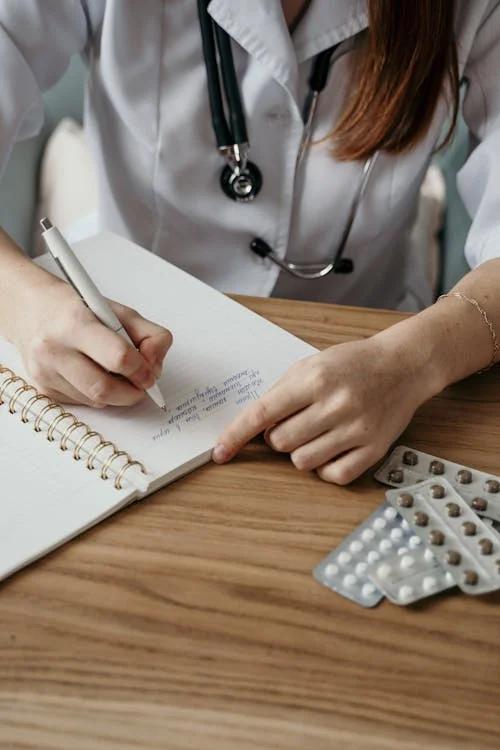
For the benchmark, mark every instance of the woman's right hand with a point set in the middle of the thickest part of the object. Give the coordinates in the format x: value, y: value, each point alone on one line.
x: 72, y: 357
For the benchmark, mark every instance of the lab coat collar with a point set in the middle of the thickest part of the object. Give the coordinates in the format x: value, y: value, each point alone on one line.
x: 260, y: 28
x: 328, y: 22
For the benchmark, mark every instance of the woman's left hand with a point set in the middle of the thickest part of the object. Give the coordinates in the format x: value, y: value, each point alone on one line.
x: 336, y: 412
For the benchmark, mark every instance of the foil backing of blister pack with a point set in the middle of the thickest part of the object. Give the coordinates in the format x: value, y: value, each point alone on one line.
x: 406, y: 466
x: 344, y: 569
x: 464, y: 545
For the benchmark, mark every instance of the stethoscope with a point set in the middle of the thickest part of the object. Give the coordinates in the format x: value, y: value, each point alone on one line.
x: 241, y: 179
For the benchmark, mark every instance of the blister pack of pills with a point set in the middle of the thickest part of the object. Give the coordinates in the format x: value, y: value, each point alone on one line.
x: 344, y: 569
x: 409, y: 577
x: 406, y: 466
x: 464, y: 545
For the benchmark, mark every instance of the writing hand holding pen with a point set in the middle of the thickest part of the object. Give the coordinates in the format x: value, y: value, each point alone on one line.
x: 74, y: 357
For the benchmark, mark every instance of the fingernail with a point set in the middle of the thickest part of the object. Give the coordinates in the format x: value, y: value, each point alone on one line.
x: 157, y: 369
x: 220, y: 454
x: 146, y: 379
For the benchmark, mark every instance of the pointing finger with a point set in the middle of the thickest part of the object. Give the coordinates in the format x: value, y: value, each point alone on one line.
x: 278, y: 403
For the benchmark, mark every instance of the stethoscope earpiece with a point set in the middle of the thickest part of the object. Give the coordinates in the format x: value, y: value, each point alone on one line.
x: 261, y: 248
x: 345, y: 265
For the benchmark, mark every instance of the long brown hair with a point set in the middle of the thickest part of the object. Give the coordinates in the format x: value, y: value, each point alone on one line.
x: 407, y: 56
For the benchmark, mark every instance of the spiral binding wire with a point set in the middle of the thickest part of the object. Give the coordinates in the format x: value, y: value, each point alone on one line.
x: 12, y: 401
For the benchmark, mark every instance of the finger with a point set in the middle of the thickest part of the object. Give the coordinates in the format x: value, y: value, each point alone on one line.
x: 284, y: 399
x: 298, y: 429
x: 151, y: 339
x: 68, y: 394
x: 52, y: 384
x: 109, y: 350
x: 349, y: 466
x: 61, y: 397
x: 154, y: 350
x: 323, y: 449
x: 97, y: 385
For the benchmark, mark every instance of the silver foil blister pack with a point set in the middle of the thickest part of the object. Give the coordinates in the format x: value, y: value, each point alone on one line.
x: 409, y: 577
x: 344, y: 569
x: 406, y: 466
x: 462, y: 543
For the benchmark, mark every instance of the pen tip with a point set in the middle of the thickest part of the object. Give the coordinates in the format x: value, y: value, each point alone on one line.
x: 164, y: 407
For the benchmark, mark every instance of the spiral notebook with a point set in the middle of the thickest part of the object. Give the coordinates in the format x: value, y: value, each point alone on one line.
x: 62, y: 470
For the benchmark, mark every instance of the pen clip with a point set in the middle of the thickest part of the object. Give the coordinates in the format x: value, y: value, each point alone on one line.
x: 68, y: 278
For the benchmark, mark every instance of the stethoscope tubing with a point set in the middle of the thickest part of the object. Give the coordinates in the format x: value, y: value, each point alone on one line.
x: 232, y: 138
x: 307, y: 270
x: 220, y: 127
x: 237, y: 124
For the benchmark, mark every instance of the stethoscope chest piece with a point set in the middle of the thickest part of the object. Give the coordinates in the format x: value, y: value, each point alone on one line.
x: 241, y: 185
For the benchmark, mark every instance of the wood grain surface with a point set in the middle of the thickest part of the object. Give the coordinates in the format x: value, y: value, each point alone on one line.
x: 191, y: 620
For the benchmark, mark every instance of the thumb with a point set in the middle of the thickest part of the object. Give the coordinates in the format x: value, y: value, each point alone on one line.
x: 152, y: 340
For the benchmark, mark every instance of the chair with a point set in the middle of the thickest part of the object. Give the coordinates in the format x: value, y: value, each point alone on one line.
x: 18, y: 186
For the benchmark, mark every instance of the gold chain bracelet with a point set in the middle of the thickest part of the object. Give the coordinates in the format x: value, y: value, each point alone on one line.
x: 491, y: 327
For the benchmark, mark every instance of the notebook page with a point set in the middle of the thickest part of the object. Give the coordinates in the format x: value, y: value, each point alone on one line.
x: 223, y: 355
x: 46, y: 497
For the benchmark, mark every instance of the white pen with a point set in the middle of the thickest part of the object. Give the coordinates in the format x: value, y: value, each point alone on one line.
x: 81, y: 282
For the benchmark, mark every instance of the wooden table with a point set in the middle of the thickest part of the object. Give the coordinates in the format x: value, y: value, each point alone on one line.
x: 192, y: 620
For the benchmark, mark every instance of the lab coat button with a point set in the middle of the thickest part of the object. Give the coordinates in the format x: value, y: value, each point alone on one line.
x: 277, y: 116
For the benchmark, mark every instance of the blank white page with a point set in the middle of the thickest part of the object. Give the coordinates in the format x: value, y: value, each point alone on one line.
x: 223, y: 355
x: 46, y: 497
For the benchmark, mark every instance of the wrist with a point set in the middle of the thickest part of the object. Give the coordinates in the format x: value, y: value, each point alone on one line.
x: 21, y: 282
x: 417, y: 347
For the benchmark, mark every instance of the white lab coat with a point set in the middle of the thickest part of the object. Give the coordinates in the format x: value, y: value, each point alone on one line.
x: 147, y: 116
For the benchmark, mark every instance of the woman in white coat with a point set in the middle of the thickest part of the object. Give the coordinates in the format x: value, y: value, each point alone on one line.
x: 393, y: 85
